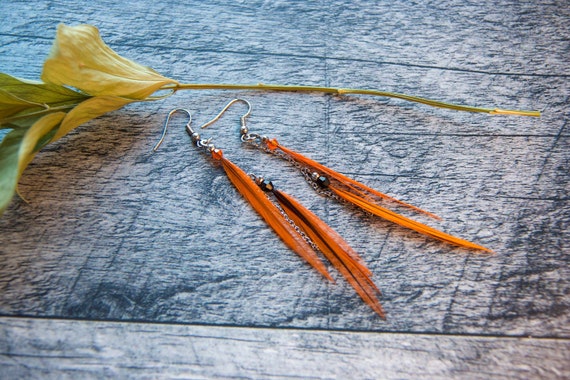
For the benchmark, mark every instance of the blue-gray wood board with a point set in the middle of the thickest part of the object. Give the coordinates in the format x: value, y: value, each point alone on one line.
x: 128, y: 263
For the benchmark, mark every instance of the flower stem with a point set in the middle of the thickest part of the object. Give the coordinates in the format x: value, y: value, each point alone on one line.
x: 348, y: 91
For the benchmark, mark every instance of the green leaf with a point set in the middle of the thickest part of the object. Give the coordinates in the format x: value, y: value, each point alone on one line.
x: 21, y: 98
x: 30, y: 134
x: 17, y: 150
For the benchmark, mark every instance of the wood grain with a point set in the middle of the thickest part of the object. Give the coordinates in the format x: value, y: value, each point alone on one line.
x: 115, y: 232
x: 135, y: 350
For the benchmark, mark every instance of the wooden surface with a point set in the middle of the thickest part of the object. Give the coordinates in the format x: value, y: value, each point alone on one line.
x: 127, y: 263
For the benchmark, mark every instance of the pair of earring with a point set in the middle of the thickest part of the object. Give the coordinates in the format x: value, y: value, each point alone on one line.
x: 299, y: 228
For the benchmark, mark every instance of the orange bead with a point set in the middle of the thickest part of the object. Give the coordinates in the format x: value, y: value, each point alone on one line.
x: 272, y: 144
x: 217, y: 154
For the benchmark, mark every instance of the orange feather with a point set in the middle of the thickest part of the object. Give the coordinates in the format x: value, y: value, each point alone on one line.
x: 335, y: 248
x: 405, y: 222
x: 270, y: 213
x: 358, y: 194
x: 352, y: 184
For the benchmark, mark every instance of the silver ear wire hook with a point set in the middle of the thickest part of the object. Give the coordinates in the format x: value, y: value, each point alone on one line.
x: 188, y: 128
x: 243, y: 129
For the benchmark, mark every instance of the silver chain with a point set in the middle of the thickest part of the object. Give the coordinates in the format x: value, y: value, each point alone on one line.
x: 291, y: 222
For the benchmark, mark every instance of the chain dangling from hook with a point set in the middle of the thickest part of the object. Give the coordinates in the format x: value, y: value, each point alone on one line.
x: 329, y: 182
x: 298, y: 227
x: 312, y: 229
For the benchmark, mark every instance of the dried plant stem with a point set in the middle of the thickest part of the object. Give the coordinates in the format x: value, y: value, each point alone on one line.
x: 348, y: 91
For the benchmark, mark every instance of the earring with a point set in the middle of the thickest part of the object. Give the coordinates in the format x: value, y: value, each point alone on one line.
x: 299, y: 228
x: 336, y: 185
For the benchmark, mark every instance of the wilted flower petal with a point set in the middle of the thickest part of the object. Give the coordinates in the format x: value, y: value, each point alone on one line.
x: 34, y: 134
x: 89, y: 109
x: 79, y: 58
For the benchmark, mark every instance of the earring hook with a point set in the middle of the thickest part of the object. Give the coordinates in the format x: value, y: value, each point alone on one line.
x: 188, y: 128
x: 243, y: 129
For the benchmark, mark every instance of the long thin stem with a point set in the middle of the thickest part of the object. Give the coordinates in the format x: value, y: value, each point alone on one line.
x: 348, y: 91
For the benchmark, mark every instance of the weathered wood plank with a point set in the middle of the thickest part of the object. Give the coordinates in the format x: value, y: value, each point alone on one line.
x: 114, y: 232
x: 506, y: 37
x: 134, y: 350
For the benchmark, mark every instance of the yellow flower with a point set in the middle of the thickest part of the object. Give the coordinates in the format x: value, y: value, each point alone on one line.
x: 37, y: 113
x: 80, y: 59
